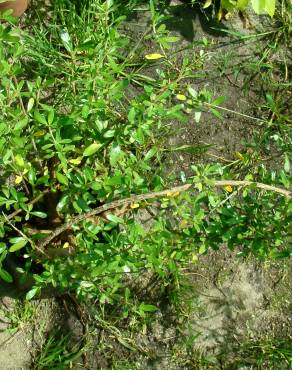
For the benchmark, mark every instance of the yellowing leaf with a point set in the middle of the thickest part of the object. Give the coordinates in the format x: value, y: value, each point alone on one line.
x: 183, y: 223
x: 228, y: 188
x: 18, y: 180
x: 134, y: 205
x: 153, y: 56
x: 181, y: 97
x: 39, y: 133
x: 66, y: 245
x: 172, y: 194
x: 76, y: 161
x: 19, y: 160
x: 194, y: 258
x: 239, y: 155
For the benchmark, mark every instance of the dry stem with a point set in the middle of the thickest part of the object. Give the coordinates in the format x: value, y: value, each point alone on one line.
x: 142, y: 197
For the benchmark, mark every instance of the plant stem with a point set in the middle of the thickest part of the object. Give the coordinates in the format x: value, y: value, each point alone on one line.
x: 141, y: 197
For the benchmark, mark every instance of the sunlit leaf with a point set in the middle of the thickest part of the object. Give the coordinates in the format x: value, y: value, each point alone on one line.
x: 91, y: 149
x: 4, y: 275
x: 62, y: 178
x: 154, y: 56
x: 228, y: 188
x: 181, y: 97
x: 20, y: 244
x: 18, y: 180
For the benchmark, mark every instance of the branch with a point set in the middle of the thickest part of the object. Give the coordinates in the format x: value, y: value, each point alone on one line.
x: 138, y: 198
x: 35, y: 200
x: 259, y: 185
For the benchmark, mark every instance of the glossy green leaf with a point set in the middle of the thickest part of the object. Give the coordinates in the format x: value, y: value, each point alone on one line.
x: 62, y: 178
x: 17, y: 246
x: 4, y: 275
x: 147, y: 308
x: 91, y: 149
x: 31, y: 293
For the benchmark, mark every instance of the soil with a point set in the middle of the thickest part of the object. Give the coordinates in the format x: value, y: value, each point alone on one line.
x: 233, y: 299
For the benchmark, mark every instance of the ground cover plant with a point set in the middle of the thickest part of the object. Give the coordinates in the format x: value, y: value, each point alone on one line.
x: 84, y: 130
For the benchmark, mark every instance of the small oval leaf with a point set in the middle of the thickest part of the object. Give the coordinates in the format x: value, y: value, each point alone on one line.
x: 4, y: 275
x: 91, y: 149
x: 154, y: 56
x: 62, y: 178
x: 32, y: 293
x: 15, y: 247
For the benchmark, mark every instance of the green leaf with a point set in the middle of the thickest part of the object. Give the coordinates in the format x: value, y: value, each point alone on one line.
x: 31, y: 293
x: 2, y: 247
x: 131, y: 115
x: 20, y: 244
x: 216, y: 113
x: 91, y: 149
x: 151, y: 153
x: 115, y: 219
x: 202, y: 249
x: 242, y: 4
x: 287, y: 164
x: 30, y: 104
x: 147, y: 308
x: 262, y: 6
x: 4, y: 275
x: 219, y: 100
x: 62, y: 178
x: 116, y: 154
x: 62, y: 203
x: 21, y: 124
x: 39, y: 214
x: 40, y: 118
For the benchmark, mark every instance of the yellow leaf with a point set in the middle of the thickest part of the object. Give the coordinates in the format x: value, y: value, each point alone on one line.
x: 181, y: 97
x: 134, y: 205
x: 19, y: 160
x: 18, y: 180
x: 228, y: 188
x: 183, y: 223
x: 76, y: 161
x: 172, y: 194
x: 153, y: 56
x: 39, y: 133
x: 194, y: 258
x: 66, y: 245
x: 239, y: 155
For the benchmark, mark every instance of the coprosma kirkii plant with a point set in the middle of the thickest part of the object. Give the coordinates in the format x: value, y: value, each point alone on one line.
x: 80, y: 158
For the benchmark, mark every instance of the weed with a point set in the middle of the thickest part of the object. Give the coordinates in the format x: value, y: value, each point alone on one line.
x: 57, y: 353
x: 20, y: 316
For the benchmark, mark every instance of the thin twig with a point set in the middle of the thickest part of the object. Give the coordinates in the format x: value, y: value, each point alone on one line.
x: 42, y: 251
x: 35, y: 200
x: 259, y: 185
x: 16, y: 229
x: 20, y: 98
x: 142, y: 197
